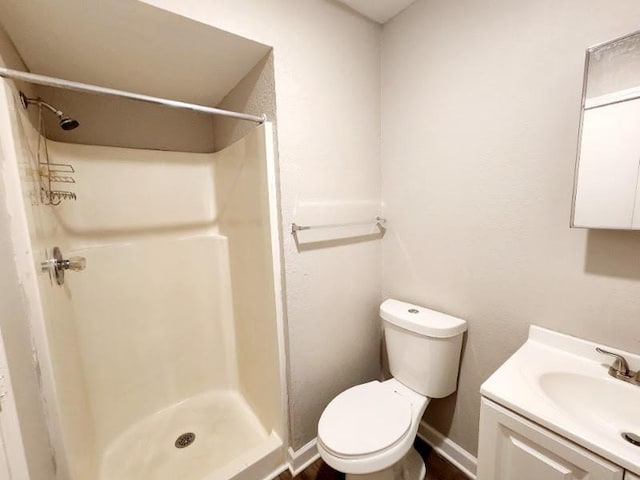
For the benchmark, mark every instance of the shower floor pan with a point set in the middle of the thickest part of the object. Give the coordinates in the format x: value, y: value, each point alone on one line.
x: 223, y: 439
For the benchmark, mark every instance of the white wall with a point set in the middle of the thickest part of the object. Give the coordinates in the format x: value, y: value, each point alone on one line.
x: 54, y: 337
x: 327, y: 70
x: 255, y: 94
x: 14, y: 322
x: 480, y: 108
x: 117, y: 122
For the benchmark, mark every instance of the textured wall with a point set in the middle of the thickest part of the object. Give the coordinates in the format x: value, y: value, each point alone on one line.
x: 327, y: 66
x: 480, y: 108
x: 254, y: 94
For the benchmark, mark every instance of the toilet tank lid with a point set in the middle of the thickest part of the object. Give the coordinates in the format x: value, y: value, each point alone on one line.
x: 421, y: 320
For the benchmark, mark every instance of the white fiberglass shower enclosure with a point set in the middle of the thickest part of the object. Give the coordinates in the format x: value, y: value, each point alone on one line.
x: 163, y: 358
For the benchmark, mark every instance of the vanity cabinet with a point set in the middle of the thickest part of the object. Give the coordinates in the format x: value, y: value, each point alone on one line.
x: 513, y: 448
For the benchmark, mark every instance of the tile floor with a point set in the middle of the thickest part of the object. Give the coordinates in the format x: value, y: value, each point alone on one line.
x: 437, y: 468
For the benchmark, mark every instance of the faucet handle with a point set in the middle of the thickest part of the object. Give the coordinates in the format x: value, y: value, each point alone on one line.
x: 620, y: 367
x: 76, y: 263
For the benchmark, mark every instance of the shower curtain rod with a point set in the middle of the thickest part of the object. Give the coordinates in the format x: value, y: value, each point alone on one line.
x: 85, y: 87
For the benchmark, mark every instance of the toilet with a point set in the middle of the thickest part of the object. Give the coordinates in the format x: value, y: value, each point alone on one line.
x: 367, y: 431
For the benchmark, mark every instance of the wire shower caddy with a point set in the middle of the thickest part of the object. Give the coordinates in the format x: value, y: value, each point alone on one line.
x: 50, y: 173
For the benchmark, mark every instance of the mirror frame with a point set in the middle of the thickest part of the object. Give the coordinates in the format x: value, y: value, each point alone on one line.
x: 585, y: 78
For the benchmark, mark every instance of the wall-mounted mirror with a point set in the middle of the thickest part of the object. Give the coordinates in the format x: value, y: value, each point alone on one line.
x: 607, y: 185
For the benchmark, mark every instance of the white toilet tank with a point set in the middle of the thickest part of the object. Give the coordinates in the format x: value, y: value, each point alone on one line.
x: 423, y: 347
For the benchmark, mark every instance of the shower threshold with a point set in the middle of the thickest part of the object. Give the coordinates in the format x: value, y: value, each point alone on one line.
x: 213, y: 436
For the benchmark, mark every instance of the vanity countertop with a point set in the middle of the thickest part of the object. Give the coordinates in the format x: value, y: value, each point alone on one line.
x: 562, y: 383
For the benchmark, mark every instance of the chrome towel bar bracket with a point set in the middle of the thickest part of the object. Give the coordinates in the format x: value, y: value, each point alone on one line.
x: 295, y: 228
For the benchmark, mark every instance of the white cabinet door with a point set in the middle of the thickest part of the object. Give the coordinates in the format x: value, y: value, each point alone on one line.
x: 630, y: 476
x: 512, y: 448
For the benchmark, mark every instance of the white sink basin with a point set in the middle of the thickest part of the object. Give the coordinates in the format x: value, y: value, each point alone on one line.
x: 609, y: 404
x: 561, y: 383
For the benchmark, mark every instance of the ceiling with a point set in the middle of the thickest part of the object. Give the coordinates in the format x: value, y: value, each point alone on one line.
x: 378, y: 10
x: 129, y: 46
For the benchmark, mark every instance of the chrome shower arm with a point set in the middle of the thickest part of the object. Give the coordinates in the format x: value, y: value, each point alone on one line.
x: 66, y: 123
x: 50, y: 107
x: 26, y: 101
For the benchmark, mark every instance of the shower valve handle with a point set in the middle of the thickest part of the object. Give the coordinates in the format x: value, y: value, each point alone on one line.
x: 75, y: 263
x: 57, y: 265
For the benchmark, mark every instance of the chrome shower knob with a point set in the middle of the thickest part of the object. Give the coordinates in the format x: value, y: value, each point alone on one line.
x: 75, y: 263
x: 57, y: 265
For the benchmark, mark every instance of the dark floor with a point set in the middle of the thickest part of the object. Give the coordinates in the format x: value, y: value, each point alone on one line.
x: 437, y: 468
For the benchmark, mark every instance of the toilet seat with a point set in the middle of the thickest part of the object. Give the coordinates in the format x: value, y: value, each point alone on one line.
x: 365, y: 420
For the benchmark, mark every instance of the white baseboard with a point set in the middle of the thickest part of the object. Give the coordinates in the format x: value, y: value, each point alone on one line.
x: 273, y: 475
x: 468, y: 464
x: 300, y: 459
x: 454, y: 453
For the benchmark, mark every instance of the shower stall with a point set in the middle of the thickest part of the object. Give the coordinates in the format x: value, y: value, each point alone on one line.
x: 157, y: 302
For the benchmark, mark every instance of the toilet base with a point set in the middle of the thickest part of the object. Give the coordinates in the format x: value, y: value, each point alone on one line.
x: 411, y: 467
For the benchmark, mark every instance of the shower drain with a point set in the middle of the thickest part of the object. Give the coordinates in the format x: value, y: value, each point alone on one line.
x: 632, y: 438
x: 185, y: 440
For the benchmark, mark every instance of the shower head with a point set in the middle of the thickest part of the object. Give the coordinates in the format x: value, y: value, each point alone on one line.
x: 66, y: 123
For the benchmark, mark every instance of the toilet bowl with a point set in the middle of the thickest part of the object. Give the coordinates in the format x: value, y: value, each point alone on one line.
x: 370, y: 428
x: 368, y: 431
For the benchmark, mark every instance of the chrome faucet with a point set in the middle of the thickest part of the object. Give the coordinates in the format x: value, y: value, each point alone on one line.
x: 57, y: 265
x: 620, y: 368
